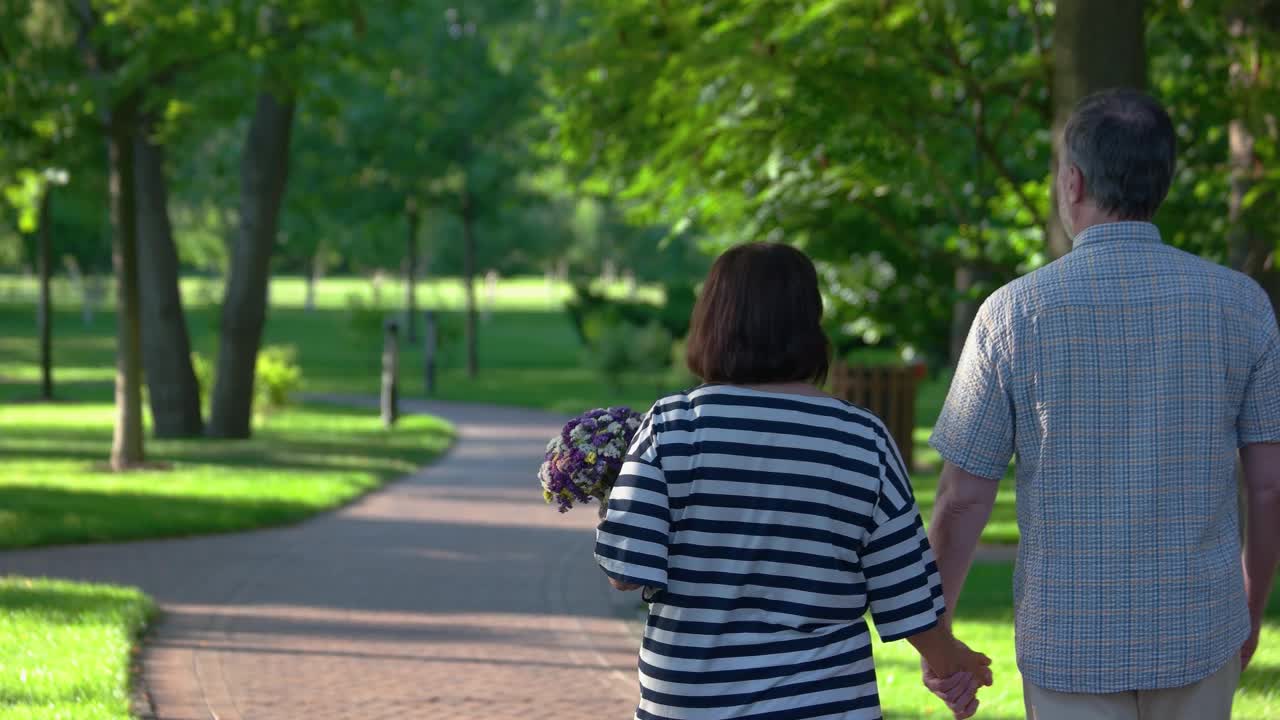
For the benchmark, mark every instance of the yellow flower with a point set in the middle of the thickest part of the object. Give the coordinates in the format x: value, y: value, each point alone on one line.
x: 591, y: 458
x: 546, y: 495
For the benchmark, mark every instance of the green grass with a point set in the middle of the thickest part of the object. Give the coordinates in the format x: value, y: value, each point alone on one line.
x: 985, y: 621
x: 65, y: 649
x: 303, y: 460
x: 529, y: 356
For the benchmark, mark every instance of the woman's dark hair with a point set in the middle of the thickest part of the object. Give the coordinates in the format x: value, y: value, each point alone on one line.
x: 759, y: 319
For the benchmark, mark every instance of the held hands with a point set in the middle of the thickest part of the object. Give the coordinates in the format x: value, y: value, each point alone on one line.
x: 955, y: 676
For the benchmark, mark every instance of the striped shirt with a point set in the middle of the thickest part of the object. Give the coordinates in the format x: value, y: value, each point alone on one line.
x: 1125, y: 376
x: 765, y: 526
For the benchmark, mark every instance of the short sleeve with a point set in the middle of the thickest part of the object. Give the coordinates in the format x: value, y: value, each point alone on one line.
x: 975, y: 430
x: 1259, y: 419
x: 904, y: 589
x: 631, y: 543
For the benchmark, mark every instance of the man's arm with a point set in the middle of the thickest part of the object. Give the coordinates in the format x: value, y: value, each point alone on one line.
x: 1262, y: 533
x: 960, y: 511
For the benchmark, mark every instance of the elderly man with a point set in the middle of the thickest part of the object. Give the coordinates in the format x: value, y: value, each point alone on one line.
x: 1127, y: 377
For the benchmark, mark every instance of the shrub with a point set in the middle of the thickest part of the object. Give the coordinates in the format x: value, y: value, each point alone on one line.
x: 673, y: 316
x: 276, y: 377
x: 607, y: 346
x: 650, y: 348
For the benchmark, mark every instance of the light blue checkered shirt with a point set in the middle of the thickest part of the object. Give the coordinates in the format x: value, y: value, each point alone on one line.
x: 1125, y: 376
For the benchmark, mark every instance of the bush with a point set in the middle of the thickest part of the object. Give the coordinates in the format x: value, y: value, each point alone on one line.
x: 276, y: 377
x: 615, y: 346
x: 608, y: 347
x: 650, y: 349
x: 673, y: 316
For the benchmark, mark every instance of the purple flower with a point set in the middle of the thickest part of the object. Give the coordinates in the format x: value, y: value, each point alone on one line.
x: 602, y: 435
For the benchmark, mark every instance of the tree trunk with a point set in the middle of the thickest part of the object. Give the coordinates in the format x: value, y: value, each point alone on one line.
x: 469, y: 280
x: 44, y: 311
x: 1097, y: 45
x: 127, y: 443
x: 313, y: 279
x: 1251, y: 250
x: 263, y: 175
x: 166, y: 345
x: 966, y: 306
x: 411, y: 273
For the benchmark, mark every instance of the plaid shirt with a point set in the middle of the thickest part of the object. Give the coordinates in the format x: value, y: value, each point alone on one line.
x: 1125, y: 376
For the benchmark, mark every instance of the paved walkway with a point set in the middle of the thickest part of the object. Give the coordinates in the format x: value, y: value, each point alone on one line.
x: 455, y: 593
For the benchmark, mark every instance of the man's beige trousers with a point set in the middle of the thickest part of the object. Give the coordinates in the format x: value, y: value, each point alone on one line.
x: 1209, y: 699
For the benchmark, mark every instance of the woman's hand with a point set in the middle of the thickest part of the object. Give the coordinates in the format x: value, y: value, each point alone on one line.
x: 959, y: 691
x: 951, y: 670
x: 624, y: 586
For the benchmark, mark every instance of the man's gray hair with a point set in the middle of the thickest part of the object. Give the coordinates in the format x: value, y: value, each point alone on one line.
x: 1124, y: 144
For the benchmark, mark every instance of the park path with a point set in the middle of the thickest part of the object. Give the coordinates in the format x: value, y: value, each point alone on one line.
x: 454, y: 593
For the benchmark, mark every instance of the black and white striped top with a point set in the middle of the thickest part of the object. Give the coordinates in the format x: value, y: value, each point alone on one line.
x: 765, y: 526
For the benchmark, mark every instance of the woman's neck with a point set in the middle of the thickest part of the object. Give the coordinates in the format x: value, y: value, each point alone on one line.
x: 787, y: 388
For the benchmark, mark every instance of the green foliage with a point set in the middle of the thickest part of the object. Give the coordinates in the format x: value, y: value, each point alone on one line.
x: 672, y: 316
x: 608, y: 348
x: 276, y: 377
x: 651, y: 348
x: 895, y: 143
x: 364, y: 320
x: 204, y: 372
x: 842, y: 129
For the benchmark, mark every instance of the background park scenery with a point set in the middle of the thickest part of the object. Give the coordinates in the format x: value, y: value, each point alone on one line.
x: 211, y: 210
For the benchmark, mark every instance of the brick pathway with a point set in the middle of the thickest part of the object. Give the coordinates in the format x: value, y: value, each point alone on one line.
x: 452, y: 594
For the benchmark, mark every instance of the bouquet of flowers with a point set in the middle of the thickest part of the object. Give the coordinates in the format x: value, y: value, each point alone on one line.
x: 584, y: 460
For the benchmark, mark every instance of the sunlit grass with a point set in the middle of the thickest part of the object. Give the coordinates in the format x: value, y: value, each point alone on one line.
x: 53, y: 488
x: 66, y: 649
x: 985, y: 621
x: 519, y: 293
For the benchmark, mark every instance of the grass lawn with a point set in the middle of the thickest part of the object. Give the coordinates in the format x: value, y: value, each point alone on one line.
x: 303, y: 460
x: 985, y: 622
x: 65, y: 649
x: 529, y: 356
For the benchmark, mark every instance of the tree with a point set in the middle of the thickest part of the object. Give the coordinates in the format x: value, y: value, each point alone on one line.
x: 1098, y: 45
x: 172, y: 387
x: 264, y: 173
x: 31, y: 196
x: 296, y: 37
x: 127, y: 440
x: 450, y: 130
x: 34, y: 133
x: 897, y: 143
x: 1253, y: 34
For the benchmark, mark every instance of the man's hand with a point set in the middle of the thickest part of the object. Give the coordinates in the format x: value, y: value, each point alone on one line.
x: 959, y: 692
x: 1262, y: 534
x: 624, y: 586
x: 1250, y: 647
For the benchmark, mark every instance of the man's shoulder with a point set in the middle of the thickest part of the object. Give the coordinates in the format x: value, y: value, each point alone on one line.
x: 1058, y: 280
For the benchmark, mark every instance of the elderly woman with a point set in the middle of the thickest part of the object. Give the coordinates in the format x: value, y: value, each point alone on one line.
x: 765, y: 518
